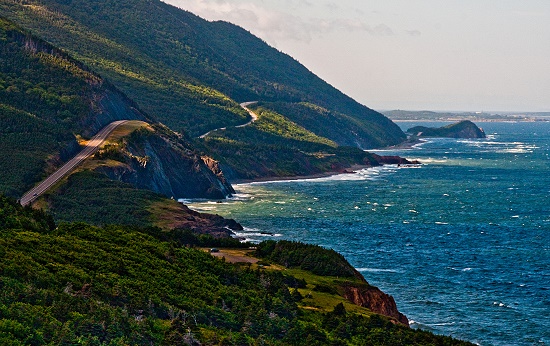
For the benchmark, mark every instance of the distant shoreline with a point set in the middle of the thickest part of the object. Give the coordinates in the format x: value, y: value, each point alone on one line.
x: 521, y: 120
x: 350, y: 170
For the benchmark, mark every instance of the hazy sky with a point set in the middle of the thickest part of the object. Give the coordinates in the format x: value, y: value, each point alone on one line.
x: 490, y: 55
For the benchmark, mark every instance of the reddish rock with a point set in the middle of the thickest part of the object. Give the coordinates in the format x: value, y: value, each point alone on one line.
x: 375, y: 300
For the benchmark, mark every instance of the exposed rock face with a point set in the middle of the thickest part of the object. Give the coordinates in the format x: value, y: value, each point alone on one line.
x: 160, y: 162
x: 214, y: 166
x: 463, y: 129
x: 375, y: 300
x: 203, y: 223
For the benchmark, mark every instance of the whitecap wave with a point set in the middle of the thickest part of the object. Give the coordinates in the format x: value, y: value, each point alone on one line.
x: 336, y: 177
x: 201, y: 208
x: 376, y: 270
x: 501, y: 147
x: 461, y: 269
x: 192, y: 200
x: 503, y: 305
x: 430, y: 160
x: 240, y: 196
x: 442, y: 324
x: 255, y: 232
x: 422, y: 142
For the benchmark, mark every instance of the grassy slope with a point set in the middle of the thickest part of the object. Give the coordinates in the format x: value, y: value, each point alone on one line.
x: 94, y: 198
x: 275, y: 146
x: 253, y: 159
x: 76, y: 283
x: 332, y: 124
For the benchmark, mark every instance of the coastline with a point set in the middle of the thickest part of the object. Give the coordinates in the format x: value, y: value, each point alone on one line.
x: 408, y: 144
x: 352, y: 169
x: 477, y: 120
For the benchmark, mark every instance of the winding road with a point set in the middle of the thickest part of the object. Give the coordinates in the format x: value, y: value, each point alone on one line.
x: 92, y: 146
x: 245, y: 106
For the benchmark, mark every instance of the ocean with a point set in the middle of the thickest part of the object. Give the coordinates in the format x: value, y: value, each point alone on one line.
x: 462, y: 241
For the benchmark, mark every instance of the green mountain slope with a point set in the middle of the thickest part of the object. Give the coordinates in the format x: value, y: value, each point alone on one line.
x: 50, y: 101
x: 187, y: 71
x: 46, y: 97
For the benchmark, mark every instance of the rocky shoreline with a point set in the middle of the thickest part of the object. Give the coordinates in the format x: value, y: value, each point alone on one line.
x: 382, y: 160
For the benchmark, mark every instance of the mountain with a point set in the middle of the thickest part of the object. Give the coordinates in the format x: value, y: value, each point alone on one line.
x: 462, y: 129
x: 50, y: 102
x: 45, y: 98
x: 138, y: 274
x: 191, y: 73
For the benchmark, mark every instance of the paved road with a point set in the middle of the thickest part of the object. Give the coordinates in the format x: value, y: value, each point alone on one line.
x: 92, y: 146
x: 245, y: 106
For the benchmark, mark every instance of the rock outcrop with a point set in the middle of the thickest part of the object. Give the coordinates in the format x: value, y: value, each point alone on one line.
x: 160, y: 161
x: 203, y: 223
x: 372, y: 298
x: 394, y: 160
x: 463, y: 129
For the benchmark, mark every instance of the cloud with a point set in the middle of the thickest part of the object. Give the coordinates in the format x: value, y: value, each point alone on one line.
x: 275, y: 24
x: 414, y: 33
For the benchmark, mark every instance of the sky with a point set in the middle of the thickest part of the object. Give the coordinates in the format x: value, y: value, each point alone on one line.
x: 454, y: 55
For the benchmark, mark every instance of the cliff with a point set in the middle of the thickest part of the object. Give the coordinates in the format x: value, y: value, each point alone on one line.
x: 159, y: 160
x: 374, y: 299
x: 203, y: 223
x: 107, y: 106
x: 462, y: 129
x: 322, y: 262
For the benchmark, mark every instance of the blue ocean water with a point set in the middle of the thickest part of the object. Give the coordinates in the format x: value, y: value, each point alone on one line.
x: 461, y: 242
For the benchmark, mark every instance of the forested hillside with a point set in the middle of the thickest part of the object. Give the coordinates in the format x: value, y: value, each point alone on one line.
x: 189, y: 72
x: 46, y: 97
x: 461, y: 129
x: 73, y: 284
x: 50, y: 101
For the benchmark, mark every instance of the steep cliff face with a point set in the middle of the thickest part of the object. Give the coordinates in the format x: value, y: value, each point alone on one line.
x: 375, y: 300
x: 160, y: 161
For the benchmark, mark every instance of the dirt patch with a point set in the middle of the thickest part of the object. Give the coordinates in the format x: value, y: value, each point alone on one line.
x: 234, y: 256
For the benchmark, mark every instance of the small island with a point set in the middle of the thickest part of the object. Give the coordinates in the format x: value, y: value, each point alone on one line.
x: 462, y: 129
